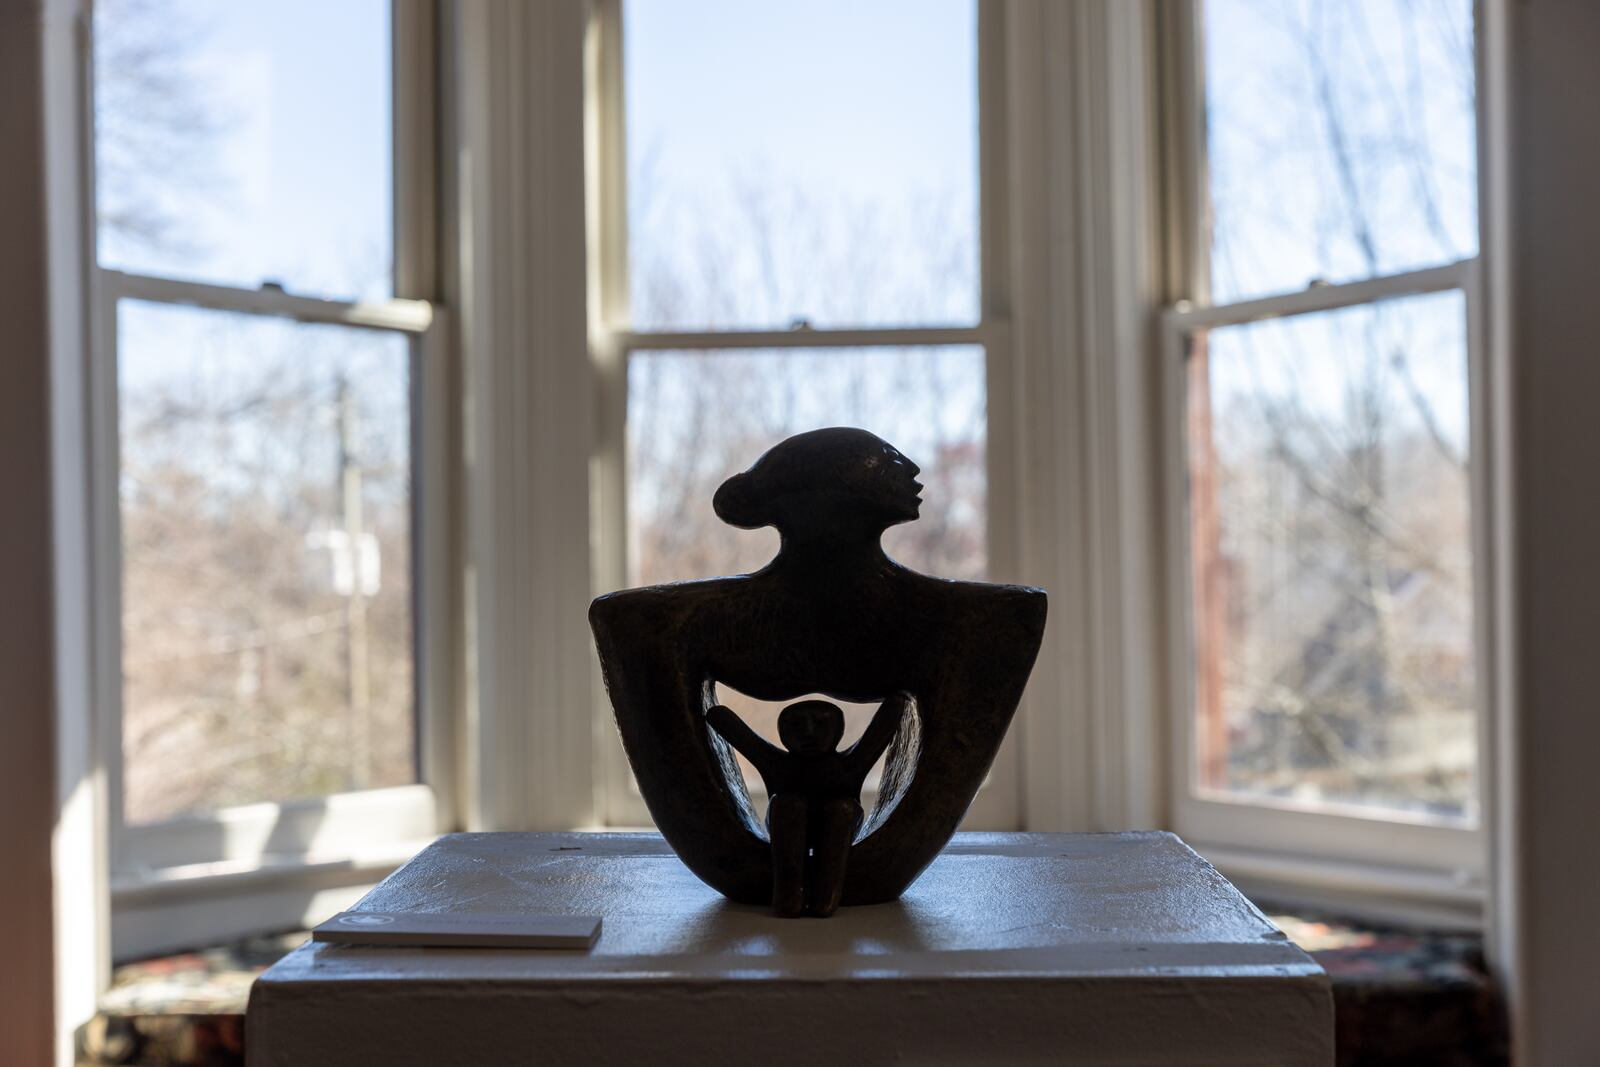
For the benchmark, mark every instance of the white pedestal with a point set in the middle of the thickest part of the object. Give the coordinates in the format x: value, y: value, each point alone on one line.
x: 1027, y: 948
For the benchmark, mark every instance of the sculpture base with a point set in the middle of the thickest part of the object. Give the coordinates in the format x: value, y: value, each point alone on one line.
x: 1029, y: 948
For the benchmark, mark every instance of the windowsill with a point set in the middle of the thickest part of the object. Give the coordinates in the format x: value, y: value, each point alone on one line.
x: 169, y: 909
x: 1372, y: 892
x: 275, y: 835
x: 1335, y: 808
x: 272, y: 870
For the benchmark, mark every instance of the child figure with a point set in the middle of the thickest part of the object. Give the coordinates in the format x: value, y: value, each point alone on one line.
x: 814, y: 794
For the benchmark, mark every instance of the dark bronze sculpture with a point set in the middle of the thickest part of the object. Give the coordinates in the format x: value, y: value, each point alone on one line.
x: 832, y: 614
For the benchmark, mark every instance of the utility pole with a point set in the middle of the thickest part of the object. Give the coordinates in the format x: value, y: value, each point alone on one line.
x: 357, y: 662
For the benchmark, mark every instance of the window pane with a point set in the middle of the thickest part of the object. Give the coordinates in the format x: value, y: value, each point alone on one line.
x: 1341, y: 140
x: 241, y: 143
x: 812, y: 162
x: 266, y: 555
x: 694, y: 418
x: 1332, y: 558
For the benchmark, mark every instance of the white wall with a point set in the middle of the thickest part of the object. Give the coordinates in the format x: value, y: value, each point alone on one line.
x: 53, y: 921
x: 27, y: 757
x: 1543, y: 253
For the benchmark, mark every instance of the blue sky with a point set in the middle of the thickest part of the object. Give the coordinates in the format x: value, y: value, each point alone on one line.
x: 868, y: 96
x: 871, y: 103
x: 296, y: 182
x: 813, y: 161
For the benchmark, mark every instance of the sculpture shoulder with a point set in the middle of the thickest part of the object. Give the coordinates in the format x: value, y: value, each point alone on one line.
x: 987, y: 599
x: 983, y: 615
x: 654, y: 605
x: 1030, y: 599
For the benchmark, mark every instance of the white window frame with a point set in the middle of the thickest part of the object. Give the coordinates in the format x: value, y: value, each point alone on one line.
x: 612, y: 342
x: 254, y: 867
x: 1088, y: 122
x: 1388, y: 863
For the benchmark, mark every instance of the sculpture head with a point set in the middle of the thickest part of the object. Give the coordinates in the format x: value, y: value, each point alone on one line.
x: 842, y: 480
x: 811, y: 726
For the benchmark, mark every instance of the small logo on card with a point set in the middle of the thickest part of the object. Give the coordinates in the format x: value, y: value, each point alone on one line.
x: 359, y: 919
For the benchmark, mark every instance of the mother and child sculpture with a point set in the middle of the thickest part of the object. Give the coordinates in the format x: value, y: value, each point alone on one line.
x: 946, y: 661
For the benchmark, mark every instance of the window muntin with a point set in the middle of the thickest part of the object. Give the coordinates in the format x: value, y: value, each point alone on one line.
x: 247, y: 143
x: 1332, y: 577
x: 265, y: 505
x: 810, y: 163
x: 1340, y: 141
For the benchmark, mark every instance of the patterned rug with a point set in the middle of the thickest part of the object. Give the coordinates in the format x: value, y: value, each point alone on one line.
x: 1406, y: 997
x: 183, y: 1010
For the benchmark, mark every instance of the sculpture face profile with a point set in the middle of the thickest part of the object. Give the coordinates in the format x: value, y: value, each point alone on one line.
x: 832, y: 614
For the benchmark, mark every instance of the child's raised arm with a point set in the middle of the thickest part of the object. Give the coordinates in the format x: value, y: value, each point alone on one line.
x: 879, y: 732
x: 734, y: 730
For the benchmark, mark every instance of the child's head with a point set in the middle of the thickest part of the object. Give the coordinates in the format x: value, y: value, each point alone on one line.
x: 811, y: 726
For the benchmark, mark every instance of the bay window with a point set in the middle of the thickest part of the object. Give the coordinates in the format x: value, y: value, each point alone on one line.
x: 1175, y: 304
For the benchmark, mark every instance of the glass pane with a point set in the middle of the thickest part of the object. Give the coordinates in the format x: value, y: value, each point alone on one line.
x: 246, y: 142
x: 1340, y: 140
x: 694, y: 418
x: 808, y: 162
x: 266, y: 560
x: 1330, y: 514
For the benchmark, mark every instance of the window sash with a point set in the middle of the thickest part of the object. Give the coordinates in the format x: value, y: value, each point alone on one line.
x: 613, y: 341
x: 897, y: 337
x: 305, y: 834
x: 316, y: 827
x: 1187, y: 317
x: 1245, y: 835
x: 398, y: 315
x: 1270, y: 825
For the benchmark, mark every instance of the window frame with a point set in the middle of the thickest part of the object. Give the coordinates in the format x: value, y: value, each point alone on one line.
x: 290, y: 855
x: 1287, y: 848
x: 613, y: 341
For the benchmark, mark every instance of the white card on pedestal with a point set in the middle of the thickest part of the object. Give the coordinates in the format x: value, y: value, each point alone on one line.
x: 457, y: 930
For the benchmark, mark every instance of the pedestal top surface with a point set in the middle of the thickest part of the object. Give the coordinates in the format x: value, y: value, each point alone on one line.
x: 992, y: 905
